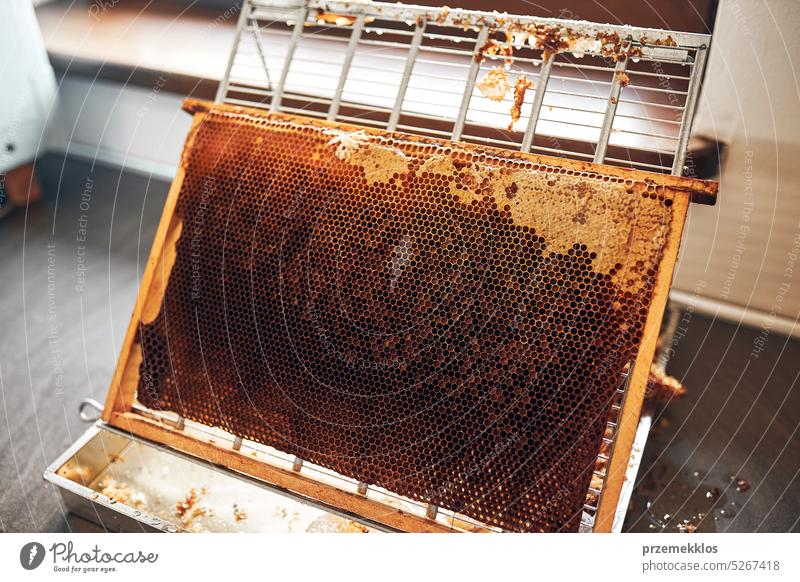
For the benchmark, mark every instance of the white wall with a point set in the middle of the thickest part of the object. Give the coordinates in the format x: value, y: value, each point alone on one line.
x: 745, y: 252
x: 139, y: 128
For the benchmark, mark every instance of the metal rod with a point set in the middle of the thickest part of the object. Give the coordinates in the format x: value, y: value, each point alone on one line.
x: 355, y: 35
x: 538, y: 99
x: 401, y: 90
x: 472, y: 74
x: 611, y: 109
x: 659, y: 76
x: 623, y: 162
x: 688, y: 110
x: 223, y: 84
x: 90, y: 410
x: 653, y: 104
x: 610, y: 442
x: 296, y: 33
x: 431, y: 511
x: 298, y: 464
x: 261, y: 54
x: 457, y: 18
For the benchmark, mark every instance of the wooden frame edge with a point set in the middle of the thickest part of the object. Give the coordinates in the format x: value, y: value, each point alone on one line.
x: 702, y: 191
x: 122, y: 391
x: 634, y: 395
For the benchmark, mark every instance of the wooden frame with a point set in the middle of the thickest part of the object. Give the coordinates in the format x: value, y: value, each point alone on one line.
x: 119, y: 409
x: 634, y: 395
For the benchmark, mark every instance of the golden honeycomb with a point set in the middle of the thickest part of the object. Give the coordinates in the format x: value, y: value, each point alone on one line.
x: 447, y: 321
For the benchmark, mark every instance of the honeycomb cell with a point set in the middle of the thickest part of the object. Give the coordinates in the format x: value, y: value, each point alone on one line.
x: 447, y: 321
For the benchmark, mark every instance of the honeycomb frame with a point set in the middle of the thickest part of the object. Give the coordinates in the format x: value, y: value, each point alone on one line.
x: 486, y: 186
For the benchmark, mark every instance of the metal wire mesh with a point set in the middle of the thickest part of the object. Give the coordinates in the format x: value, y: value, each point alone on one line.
x: 614, y: 94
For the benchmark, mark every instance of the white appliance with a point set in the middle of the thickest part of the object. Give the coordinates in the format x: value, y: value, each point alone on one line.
x: 27, y: 88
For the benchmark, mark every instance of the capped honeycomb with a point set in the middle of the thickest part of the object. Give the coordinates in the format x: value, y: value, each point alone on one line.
x: 447, y: 321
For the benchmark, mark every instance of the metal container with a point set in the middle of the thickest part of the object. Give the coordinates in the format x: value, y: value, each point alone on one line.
x: 160, y: 477
x: 149, y: 481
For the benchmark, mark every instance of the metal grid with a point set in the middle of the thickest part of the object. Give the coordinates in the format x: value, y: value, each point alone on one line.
x: 414, y: 69
x: 277, y: 458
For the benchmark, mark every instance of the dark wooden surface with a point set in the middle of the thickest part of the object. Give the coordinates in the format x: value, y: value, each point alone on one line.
x: 59, y: 343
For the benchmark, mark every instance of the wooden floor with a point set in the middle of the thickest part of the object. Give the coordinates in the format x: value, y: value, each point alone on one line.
x: 61, y: 328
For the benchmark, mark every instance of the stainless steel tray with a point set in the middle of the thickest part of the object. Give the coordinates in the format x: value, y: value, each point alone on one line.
x: 158, y: 478
x: 155, y: 479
